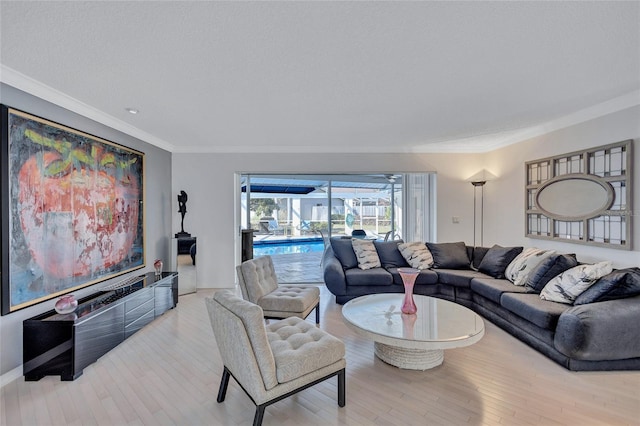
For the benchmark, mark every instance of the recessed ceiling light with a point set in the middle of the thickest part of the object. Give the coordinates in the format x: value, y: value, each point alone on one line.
x: 132, y: 110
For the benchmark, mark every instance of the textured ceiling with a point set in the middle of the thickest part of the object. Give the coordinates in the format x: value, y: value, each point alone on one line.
x: 326, y: 76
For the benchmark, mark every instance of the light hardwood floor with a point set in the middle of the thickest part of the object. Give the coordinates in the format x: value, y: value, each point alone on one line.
x: 169, y: 372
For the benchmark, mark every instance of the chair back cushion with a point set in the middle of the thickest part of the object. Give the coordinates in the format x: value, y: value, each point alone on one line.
x: 259, y: 277
x: 239, y: 328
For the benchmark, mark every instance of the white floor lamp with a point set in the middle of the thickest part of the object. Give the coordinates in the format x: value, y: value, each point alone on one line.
x: 476, y: 184
x: 479, y: 180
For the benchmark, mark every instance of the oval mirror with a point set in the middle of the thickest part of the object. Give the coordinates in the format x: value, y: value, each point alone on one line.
x: 574, y: 197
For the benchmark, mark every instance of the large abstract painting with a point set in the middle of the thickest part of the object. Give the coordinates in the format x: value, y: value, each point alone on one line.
x: 72, y: 209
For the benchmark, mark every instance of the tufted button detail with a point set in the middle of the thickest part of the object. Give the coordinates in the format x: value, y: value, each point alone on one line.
x: 300, y: 348
x: 290, y: 298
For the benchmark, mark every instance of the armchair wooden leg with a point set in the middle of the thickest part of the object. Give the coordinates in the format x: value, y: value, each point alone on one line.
x: 318, y: 313
x: 342, y: 388
x: 257, y: 419
x: 222, y: 392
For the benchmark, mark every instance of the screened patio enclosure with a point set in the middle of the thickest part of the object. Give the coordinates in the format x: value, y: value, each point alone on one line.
x: 291, y: 214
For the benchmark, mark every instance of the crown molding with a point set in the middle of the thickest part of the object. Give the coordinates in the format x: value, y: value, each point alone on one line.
x: 490, y: 142
x: 33, y: 87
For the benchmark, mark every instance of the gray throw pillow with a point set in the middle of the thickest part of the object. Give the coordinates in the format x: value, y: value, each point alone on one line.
x: 449, y: 255
x: 389, y: 254
x: 497, y: 259
x: 618, y: 284
x: 548, y: 269
x: 343, y: 249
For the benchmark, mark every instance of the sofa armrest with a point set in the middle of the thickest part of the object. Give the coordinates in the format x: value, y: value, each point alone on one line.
x: 600, y: 331
x: 334, y: 277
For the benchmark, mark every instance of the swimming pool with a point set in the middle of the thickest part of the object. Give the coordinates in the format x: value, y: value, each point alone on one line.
x: 263, y: 248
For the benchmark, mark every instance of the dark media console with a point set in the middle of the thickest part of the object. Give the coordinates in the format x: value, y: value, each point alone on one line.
x: 64, y: 344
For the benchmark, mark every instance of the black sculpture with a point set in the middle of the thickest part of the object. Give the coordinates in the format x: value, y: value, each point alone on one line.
x: 182, y: 208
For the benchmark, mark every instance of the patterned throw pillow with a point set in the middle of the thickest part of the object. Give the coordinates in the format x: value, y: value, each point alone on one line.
x: 519, y: 268
x: 571, y: 283
x: 366, y: 254
x: 416, y: 254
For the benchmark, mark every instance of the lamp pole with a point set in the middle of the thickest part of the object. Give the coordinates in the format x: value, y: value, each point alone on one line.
x: 476, y: 184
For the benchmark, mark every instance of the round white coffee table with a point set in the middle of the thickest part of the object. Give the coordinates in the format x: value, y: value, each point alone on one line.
x: 418, y: 341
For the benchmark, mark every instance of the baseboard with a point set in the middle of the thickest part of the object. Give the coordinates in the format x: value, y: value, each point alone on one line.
x: 10, y: 376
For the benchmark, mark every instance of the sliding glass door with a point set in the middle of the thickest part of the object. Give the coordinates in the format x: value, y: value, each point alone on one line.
x: 292, y: 217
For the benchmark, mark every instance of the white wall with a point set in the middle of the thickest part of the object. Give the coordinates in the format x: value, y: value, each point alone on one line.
x: 157, y: 214
x: 504, y: 202
x: 209, y: 181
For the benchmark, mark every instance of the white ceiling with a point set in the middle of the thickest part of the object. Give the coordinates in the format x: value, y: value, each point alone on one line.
x: 327, y: 76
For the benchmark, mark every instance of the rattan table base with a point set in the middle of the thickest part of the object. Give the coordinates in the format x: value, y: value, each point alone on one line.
x: 407, y: 358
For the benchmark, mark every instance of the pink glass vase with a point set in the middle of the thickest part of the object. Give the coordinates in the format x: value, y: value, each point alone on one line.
x: 408, y: 276
x: 157, y: 265
x: 66, y: 304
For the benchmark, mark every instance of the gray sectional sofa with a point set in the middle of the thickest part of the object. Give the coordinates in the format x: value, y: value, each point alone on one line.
x: 603, y: 335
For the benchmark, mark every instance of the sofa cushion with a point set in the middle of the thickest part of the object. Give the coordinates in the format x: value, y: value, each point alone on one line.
x: 343, y: 250
x: 497, y: 259
x: 426, y: 276
x: 571, y: 283
x: 548, y: 269
x: 492, y: 288
x: 416, y: 254
x: 366, y: 254
x: 449, y: 255
x: 389, y: 254
x: 619, y: 284
x: 369, y: 277
x: 458, y: 277
x: 520, y: 267
x: 529, y: 306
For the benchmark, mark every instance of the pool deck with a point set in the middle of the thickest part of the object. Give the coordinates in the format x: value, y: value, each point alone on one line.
x: 295, y: 268
x: 298, y: 268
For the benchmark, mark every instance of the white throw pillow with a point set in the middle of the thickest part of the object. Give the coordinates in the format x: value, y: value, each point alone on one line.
x: 416, y: 254
x: 366, y: 254
x: 571, y: 283
x: 518, y: 270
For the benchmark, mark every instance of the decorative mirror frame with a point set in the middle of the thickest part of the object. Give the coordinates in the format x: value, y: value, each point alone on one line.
x: 598, y: 183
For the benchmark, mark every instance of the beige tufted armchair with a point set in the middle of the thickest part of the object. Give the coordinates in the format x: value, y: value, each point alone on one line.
x: 271, y: 362
x: 259, y: 285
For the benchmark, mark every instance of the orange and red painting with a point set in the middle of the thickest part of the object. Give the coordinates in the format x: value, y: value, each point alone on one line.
x: 72, y: 209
